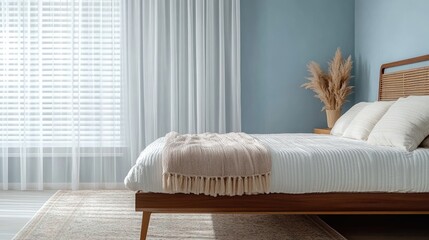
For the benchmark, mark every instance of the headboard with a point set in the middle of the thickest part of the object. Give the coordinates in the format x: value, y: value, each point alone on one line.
x: 394, y: 85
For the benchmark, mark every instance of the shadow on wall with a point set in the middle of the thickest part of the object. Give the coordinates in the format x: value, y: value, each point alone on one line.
x: 362, y: 80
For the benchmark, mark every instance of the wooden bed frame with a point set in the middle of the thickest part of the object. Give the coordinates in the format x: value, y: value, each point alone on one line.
x: 392, y: 86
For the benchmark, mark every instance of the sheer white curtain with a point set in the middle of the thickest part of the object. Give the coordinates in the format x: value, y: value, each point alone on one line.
x: 85, y: 85
x: 186, y: 56
x: 60, y: 94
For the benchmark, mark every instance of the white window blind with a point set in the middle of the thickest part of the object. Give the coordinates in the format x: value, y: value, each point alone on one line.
x: 60, y: 73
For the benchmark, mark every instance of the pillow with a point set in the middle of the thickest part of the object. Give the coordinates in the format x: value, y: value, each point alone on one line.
x: 425, y: 143
x: 344, y: 121
x: 364, y: 122
x: 405, y: 125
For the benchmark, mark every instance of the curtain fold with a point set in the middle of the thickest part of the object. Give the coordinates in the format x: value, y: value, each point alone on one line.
x: 187, y: 60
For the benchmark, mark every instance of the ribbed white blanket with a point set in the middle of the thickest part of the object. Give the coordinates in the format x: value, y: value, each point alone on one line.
x: 310, y: 163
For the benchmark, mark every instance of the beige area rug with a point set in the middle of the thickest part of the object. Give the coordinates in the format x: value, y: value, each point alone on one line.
x: 110, y: 215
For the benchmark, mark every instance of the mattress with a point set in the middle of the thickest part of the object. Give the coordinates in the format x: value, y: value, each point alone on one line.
x: 310, y: 163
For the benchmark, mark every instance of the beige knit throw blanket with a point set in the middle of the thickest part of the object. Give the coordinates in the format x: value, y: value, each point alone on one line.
x: 215, y: 164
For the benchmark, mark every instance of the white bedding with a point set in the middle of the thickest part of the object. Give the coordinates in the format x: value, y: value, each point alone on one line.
x: 306, y: 163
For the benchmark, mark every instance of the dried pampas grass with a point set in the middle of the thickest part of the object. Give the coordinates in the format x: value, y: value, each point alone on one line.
x: 331, y: 88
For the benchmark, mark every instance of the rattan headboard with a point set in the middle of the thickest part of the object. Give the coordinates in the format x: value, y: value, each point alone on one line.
x: 404, y: 83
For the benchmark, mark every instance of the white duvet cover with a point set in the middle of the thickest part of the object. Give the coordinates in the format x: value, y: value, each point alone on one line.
x: 310, y: 163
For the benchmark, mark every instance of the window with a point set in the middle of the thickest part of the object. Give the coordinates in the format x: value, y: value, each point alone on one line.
x: 60, y: 73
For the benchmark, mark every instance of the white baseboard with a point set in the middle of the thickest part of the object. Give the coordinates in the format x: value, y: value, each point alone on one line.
x: 66, y: 186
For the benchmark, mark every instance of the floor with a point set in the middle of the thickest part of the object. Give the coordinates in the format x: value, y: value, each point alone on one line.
x: 17, y: 208
x: 376, y: 227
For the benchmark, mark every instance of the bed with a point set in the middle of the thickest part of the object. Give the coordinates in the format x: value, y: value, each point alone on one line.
x: 312, y: 174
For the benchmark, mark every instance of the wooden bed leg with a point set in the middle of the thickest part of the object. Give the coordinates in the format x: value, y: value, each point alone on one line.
x: 145, y: 225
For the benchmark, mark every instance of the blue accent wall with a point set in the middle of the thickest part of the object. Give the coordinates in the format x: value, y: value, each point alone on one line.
x: 386, y: 31
x: 278, y: 39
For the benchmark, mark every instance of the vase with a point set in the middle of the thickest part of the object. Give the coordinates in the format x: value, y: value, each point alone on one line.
x: 332, y: 116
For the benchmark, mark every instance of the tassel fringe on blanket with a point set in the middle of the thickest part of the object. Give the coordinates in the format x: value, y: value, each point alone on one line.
x: 214, y: 186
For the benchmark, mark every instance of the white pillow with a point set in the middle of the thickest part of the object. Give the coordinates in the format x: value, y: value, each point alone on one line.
x: 344, y: 121
x: 364, y: 122
x: 405, y: 125
x: 425, y: 143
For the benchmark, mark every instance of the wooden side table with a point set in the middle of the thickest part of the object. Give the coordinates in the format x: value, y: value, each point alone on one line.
x: 322, y: 131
